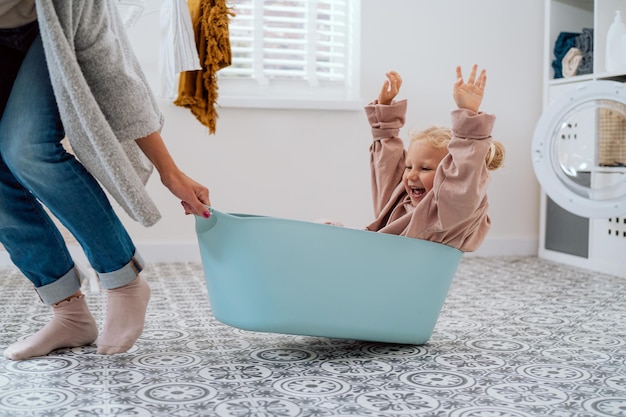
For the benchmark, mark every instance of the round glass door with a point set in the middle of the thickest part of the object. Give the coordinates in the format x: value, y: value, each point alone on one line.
x: 579, y: 150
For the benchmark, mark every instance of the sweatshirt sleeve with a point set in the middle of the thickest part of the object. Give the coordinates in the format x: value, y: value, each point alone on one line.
x: 386, y: 151
x: 462, y: 178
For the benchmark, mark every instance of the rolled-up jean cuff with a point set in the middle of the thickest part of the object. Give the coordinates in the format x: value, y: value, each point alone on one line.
x: 124, y: 275
x: 60, y: 289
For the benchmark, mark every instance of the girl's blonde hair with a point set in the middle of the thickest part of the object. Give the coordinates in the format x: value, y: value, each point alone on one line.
x: 439, y: 137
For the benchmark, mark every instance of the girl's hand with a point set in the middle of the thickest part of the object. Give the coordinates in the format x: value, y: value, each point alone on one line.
x: 390, y: 88
x: 469, y: 95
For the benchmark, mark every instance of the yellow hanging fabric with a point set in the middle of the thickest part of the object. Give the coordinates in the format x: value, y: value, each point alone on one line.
x: 197, y: 90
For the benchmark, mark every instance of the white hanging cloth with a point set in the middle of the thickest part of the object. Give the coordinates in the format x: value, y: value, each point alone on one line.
x: 130, y: 10
x: 178, y: 51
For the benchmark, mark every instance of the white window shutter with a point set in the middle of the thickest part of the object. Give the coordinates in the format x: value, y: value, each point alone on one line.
x: 292, y: 50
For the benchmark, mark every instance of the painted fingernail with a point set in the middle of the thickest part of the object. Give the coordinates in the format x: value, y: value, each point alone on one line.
x: 206, y: 214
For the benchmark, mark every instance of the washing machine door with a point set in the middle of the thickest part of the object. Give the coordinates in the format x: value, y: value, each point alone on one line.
x: 579, y: 150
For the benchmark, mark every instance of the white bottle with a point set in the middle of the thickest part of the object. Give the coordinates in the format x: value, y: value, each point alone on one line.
x: 614, y: 44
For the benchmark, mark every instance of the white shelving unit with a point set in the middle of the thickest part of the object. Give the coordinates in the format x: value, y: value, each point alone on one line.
x: 596, y: 244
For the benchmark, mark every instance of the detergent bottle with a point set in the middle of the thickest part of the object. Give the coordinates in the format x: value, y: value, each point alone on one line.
x: 615, y: 45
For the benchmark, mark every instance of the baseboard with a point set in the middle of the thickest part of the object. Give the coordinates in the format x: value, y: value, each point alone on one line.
x: 151, y: 253
x: 189, y: 252
x: 169, y: 252
x: 507, y: 247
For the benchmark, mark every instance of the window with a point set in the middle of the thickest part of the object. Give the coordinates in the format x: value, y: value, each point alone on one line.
x: 293, y: 54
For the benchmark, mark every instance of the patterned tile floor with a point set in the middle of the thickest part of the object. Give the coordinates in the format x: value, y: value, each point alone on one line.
x: 517, y: 337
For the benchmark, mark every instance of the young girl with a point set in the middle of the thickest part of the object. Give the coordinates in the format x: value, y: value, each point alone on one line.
x: 437, y: 189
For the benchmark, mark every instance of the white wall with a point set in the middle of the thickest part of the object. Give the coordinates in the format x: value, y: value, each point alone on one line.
x: 310, y: 164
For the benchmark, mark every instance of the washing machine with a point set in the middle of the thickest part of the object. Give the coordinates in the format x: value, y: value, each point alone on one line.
x: 579, y: 158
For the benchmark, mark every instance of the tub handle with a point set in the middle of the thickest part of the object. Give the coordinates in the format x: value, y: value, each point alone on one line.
x: 203, y: 224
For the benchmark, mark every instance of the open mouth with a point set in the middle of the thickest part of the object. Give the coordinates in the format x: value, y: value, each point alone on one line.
x: 417, y: 192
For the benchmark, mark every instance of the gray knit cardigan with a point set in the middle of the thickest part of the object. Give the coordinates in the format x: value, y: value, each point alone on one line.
x: 103, y: 97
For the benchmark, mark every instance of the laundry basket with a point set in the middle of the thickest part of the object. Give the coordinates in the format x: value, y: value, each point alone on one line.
x: 269, y: 274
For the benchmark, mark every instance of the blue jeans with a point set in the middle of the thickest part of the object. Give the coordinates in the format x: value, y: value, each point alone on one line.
x: 35, y: 169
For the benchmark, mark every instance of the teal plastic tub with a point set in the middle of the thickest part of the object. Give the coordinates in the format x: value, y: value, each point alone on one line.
x: 269, y: 274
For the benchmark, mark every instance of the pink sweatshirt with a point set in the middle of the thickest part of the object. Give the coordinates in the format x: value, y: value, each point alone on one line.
x: 454, y: 212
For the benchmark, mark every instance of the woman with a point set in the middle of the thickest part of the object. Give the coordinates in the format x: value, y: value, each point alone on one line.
x: 69, y: 71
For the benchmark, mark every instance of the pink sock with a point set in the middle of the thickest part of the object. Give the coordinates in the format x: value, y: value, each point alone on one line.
x: 72, y: 325
x: 126, y: 314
